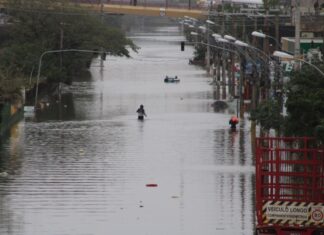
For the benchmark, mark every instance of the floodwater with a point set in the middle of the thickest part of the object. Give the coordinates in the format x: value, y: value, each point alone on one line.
x: 84, y: 169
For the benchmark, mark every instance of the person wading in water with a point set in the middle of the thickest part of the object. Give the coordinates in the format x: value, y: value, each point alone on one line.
x: 141, y: 112
x: 233, y: 122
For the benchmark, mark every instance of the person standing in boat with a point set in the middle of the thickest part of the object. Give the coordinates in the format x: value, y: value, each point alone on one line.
x: 141, y: 112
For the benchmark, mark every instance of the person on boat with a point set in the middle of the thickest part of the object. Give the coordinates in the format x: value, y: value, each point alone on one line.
x: 233, y: 122
x: 141, y: 112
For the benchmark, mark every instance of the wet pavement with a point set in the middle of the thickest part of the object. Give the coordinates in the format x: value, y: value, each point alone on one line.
x: 85, y: 170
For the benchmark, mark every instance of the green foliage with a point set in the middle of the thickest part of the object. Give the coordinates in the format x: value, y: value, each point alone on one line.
x: 268, y: 115
x: 305, y: 102
x: 42, y: 25
x: 270, y: 3
x: 319, y: 131
x: 199, y: 53
x: 227, y: 7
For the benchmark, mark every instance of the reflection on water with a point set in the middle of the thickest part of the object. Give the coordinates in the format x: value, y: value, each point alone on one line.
x: 55, y: 109
x: 84, y: 169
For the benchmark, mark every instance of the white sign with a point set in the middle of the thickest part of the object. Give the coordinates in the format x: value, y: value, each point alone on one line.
x: 317, y: 215
x: 299, y: 213
x: 293, y: 212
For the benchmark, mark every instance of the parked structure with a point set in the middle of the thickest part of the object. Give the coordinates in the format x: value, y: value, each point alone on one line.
x: 289, y: 186
x: 308, y: 7
x: 306, y: 44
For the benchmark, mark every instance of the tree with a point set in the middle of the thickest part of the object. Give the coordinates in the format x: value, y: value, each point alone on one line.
x: 42, y: 25
x: 305, y: 102
x: 270, y: 3
x: 199, y: 53
x: 268, y: 116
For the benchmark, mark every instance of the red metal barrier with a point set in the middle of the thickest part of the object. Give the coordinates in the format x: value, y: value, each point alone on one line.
x: 289, y: 186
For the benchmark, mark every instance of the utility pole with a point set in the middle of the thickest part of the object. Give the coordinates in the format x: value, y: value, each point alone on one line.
x: 208, y: 49
x: 266, y: 31
x: 254, y: 39
x: 218, y: 75
x: 235, y: 33
x: 244, y: 34
x: 208, y: 44
x: 224, y: 75
x: 231, y: 75
x: 61, y: 58
x: 256, y: 83
x: 297, y: 29
x: 242, y: 71
x: 223, y: 62
x: 61, y: 43
x: 102, y: 51
x: 277, y: 31
x: 265, y: 90
x: 231, y: 79
x: 101, y: 10
x: 214, y: 67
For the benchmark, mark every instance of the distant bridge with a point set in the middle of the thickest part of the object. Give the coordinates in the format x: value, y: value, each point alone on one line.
x: 142, y: 8
x: 148, y: 10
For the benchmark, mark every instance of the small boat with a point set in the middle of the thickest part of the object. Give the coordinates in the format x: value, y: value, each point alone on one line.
x: 171, y: 79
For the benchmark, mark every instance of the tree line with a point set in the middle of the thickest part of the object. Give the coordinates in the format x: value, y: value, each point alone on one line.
x: 36, y: 26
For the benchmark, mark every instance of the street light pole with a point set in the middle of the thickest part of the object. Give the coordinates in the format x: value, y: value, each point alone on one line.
x: 208, y: 50
x: 262, y: 35
x: 40, y: 64
x: 282, y: 54
x: 256, y: 86
x: 240, y: 55
x: 230, y: 39
x: 101, y: 19
x: 240, y: 100
x: 297, y: 28
x: 208, y: 43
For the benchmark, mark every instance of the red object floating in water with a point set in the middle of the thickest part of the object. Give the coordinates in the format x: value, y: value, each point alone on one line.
x: 151, y: 185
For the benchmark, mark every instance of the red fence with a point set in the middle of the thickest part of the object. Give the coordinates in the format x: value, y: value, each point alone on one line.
x: 289, y: 182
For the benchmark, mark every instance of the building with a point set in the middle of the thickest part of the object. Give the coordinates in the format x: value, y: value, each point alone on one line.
x: 307, y: 7
x: 306, y: 44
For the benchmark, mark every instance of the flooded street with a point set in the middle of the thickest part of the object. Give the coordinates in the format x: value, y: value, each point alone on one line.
x: 85, y: 172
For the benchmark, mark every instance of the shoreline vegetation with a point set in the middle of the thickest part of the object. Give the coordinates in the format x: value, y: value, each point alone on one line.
x: 34, y: 27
